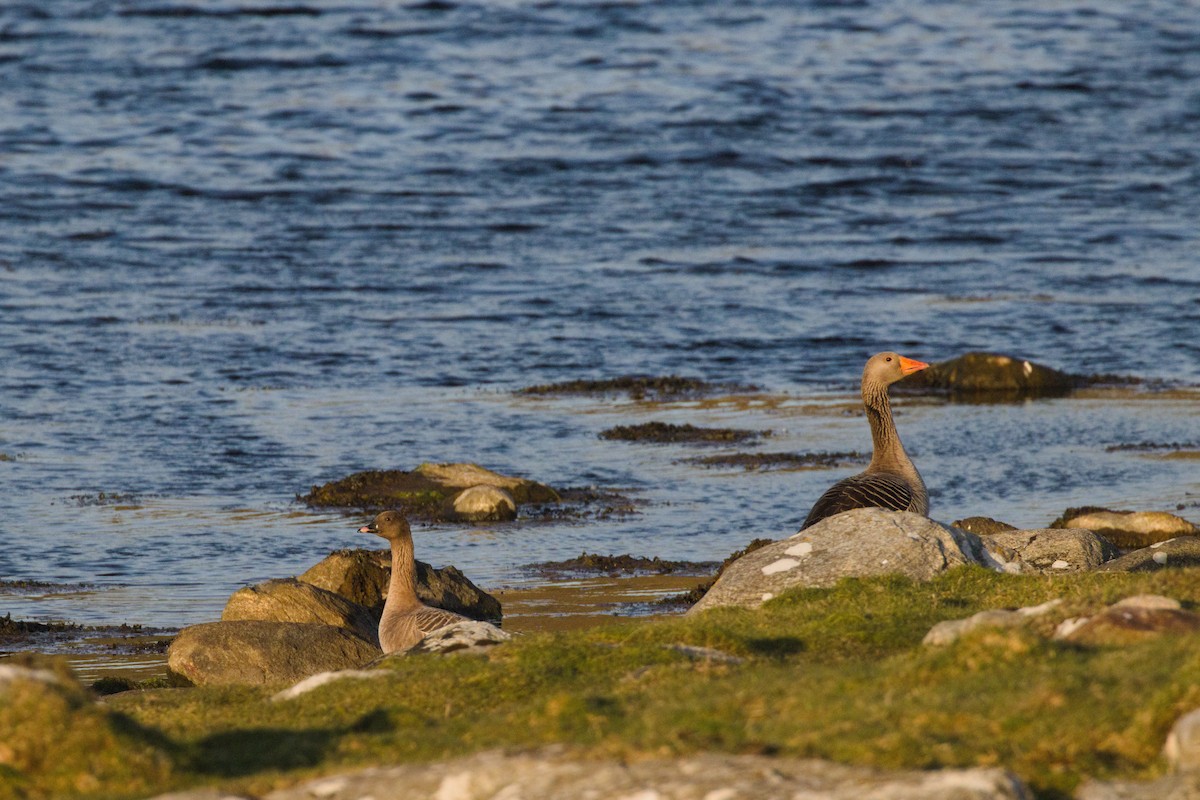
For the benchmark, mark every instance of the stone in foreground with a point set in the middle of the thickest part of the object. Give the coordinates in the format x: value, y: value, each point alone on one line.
x: 550, y: 775
x: 255, y: 652
x: 858, y: 543
x: 1050, y: 549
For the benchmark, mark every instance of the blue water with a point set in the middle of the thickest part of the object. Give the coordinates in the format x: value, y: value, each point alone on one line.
x: 250, y: 247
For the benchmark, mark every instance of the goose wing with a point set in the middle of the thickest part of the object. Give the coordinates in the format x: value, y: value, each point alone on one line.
x: 864, y: 490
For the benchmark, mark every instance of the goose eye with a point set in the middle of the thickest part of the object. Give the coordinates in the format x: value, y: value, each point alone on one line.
x: 889, y: 358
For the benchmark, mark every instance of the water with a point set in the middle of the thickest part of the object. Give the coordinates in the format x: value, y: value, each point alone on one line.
x: 246, y: 248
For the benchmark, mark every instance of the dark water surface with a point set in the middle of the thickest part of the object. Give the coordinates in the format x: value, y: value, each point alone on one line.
x: 250, y: 247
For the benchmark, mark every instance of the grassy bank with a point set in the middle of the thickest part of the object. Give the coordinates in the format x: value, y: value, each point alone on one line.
x: 838, y: 673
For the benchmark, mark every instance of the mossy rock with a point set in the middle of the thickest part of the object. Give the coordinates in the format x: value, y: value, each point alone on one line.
x: 994, y: 374
x: 426, y: 492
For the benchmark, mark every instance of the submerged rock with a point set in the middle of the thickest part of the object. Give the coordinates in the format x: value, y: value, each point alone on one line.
x: 362, y: 576
x: 256, y: 652
x: 857, y: 543
x: 428, y: 492
x: 641, y: 387
x: 292, y: 600
x: 1128, y: 529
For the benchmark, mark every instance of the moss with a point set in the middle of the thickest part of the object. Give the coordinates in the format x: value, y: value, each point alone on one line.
x: 377, y: 490
x: 664, y: 432
x: 835, y: 673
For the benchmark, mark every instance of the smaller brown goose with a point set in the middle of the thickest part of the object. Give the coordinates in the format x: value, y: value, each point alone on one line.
x: 405, y: 619
x: 891, y: 480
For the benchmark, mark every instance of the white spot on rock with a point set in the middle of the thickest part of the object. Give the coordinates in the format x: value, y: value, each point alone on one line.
x: 782, y: 565
x: 1069, y: 626
x: 1028, y: 368
x: 1160, y: 558
x: 328, y: 788
x: 1060, y: 564
x: 322, y: 678
x: 767, y: 596
x: 801, y: 549
x: 1038, y: 610
x: 456, y: 786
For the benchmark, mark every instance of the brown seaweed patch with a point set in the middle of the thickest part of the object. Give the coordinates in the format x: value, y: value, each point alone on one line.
x: 1152, y: 447
x: 752, y: 462
x: 640, y: 387
x: 18, y: 629
x: 376, y: 490
x: 586, y: 502
x: 667, y: 433
x: 594, y: 563
x: 105, y: 499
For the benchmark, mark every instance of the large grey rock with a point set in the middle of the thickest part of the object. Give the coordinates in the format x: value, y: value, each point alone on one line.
x: 858, y: 543
x: 257, y: 652
x: 291, y: 600
x: 362, y: 576
x: 552, y: 775
x: 1050, y: 549
x: 1130, y: 529
x: 1183, y: 551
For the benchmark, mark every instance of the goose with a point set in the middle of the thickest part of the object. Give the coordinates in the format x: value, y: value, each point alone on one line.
x: 891, y: 480
x: 405, y: 619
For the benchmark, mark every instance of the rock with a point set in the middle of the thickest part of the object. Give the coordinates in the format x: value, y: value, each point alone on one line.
x: 982, y: 526
x: 994, y: 373
x: 1130, y: 620
x: 255, y: 652
x: 362, y: 577
x: 471, y: 638
x: 1180, y: 552
x: 484, y: 504
x: 1131, y: 529
x: 291, y: 600
x: 950, y: 630
x: 1184, y: 786
x: 550, y: 774
x: 424, y: 493
x: 857, y: 543
x: 1182, y: 749
x: 324, y: 678
x: 1050, y: 549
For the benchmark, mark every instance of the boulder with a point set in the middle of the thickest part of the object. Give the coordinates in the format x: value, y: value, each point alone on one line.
x: 484, y: 504
x: 1182, y: 749
x: 1181, y: 552
x: 255, y: 652
x: 362, y: 576
x: 291, y: 600
x: 994, y: 373
x: 1050, y: 549
x: 1130, y: 620
x: 857, y: 543
x: 982, y: 526
x: 950, y: 630
x: 464, y: 476
x: 1132, y: 529
x: 551, y: 774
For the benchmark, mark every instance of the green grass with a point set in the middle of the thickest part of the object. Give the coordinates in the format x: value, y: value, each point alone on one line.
x: 833, y: 673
